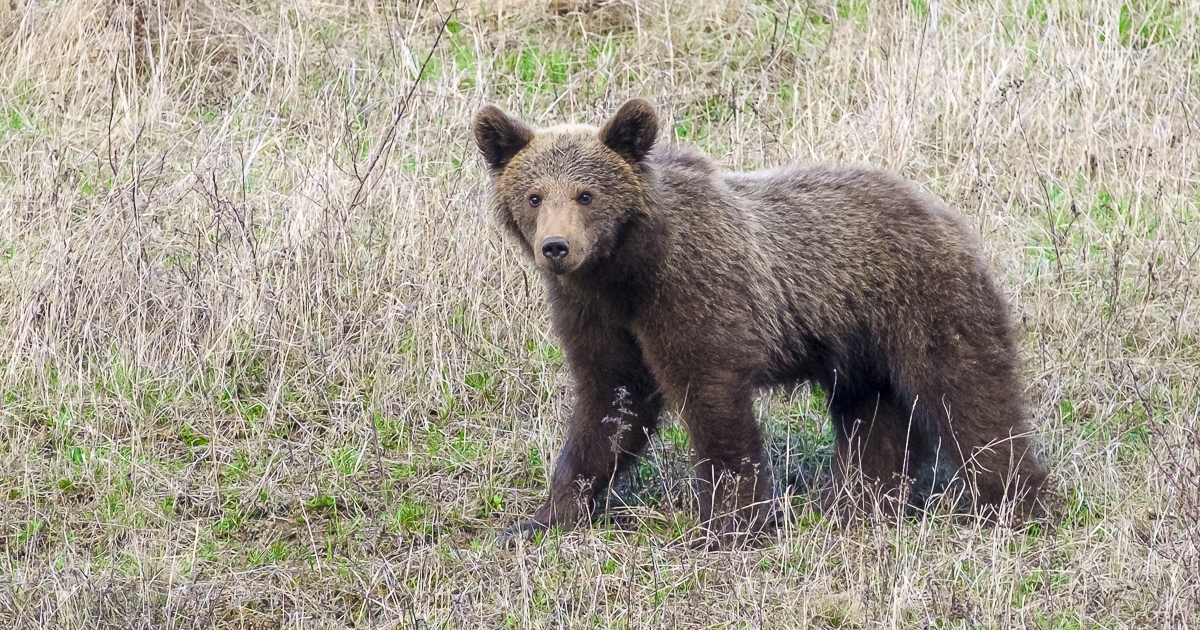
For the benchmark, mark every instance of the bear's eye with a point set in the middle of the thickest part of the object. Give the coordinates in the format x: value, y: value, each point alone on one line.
x: 585, y: 198
x: 535, y: 201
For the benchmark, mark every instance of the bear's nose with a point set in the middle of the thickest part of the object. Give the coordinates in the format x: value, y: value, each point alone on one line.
x: 555, y: 248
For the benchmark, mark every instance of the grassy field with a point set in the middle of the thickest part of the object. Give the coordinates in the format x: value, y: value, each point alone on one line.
x: 265, y: 361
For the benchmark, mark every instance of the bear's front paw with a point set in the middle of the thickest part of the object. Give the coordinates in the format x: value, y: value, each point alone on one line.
x: 523, y: 532
x: 739, y: 528
x: 723, y: 533
x: 564, y: 514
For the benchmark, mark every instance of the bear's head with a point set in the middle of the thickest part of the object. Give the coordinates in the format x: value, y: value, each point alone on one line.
x: 567, y: 192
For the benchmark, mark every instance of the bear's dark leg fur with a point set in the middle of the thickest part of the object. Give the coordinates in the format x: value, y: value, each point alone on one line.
x: 876, y: 450
x: 977, y: 415
x: 734, y: 485
x: 882, y: 444
x: 616, y: 409
x: 991, y: 455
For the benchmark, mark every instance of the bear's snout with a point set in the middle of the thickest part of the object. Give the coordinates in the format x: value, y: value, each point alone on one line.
x: 555, y: 248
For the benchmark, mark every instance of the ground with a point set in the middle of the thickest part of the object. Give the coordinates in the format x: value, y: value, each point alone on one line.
x: 265, y: 361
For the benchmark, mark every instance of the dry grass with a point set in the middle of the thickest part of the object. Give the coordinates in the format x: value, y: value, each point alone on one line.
x: 250, y: 381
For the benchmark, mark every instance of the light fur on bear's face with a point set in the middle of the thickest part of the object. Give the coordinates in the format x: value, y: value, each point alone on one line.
x: 582, y: 190
x: 568, y: 187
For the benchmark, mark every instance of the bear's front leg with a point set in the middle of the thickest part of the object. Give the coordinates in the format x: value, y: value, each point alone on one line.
x: 734, y: 483
x: 616, y: 410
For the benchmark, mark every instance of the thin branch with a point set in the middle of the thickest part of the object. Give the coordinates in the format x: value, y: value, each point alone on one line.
x: 401, y: 110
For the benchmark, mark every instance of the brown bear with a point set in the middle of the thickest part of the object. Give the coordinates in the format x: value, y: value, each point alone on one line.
x: 671, y: 280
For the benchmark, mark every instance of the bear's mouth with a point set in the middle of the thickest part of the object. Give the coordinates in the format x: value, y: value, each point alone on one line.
x: 560, y: 267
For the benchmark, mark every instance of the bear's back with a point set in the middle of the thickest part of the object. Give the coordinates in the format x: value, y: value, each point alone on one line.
x: 859, y: 215
x: 846, y: 248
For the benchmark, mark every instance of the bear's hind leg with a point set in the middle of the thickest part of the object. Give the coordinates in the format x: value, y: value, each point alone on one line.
x: 1002, y: 474
x: 878, y: 450
x: 979, y: 427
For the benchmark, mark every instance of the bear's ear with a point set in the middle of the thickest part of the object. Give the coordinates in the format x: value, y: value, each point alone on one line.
x: 631, y: 131
x: 499, y: 136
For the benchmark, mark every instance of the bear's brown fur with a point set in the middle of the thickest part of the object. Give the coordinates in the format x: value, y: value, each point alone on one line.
x: 673, y: 281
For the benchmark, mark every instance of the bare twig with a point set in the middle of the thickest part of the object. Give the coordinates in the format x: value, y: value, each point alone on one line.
x: 401, y: 109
